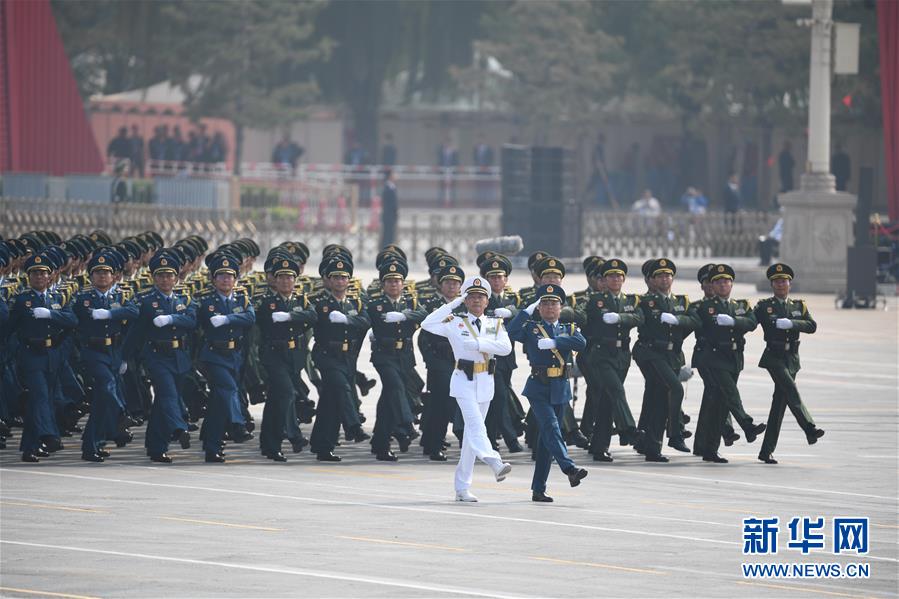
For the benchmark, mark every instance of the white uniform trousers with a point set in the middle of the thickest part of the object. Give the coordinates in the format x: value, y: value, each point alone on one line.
x: 475, y: 443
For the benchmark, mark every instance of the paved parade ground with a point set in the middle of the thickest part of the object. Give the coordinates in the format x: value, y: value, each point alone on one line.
x: 362, y: 528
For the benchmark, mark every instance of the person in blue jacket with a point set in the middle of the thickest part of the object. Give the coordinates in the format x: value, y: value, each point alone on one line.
x: 548, y: 345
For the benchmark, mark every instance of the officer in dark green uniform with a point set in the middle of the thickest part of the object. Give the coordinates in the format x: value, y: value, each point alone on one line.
x: 658, y: 355
x: 526, y: 294
x: 341, y: 325
x: 724, y: 324
x: 394, y: 319
x: 783, y: 319
x: 609, y: 316
x: 707, y: 403
x: 577, y: 300
x: 505, y: 413
x: 440, y: 363
x: 283, y: 316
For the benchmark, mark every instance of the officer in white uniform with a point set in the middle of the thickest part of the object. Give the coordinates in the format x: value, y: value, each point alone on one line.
x: 475, y: 340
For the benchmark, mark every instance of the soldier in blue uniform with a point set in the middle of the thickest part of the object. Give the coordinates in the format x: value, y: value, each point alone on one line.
x: 102, y: 311
x: 160, y: 336
x: 548, y: 345
x: 40, y: 318
x: 283, y: 316
x: 394, y: 320
x: 224, y: 315
x: 783, y: 319
x: 724, y: 322
x: 341, y: 324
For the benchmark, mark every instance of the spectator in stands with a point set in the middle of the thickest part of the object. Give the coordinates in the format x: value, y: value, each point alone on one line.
x: 287, y: 153
x: 158, y: 143
x: 388, y: 151
x: 218, y: 148
x: 174, y: 146
x: 482, y: 154
x: 785, y: 165
x: 841, y: 167
x: 203, y: 144
x: 694, y: 201
x: 647, y: 205
x: 137, y: 151
x: 447, y: 154
x: 120, y: 146
x: 355, y: 156
x: 193, y: 148
x: 731, y: 195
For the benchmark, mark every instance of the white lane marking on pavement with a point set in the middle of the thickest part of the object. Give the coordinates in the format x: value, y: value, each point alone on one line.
x: 463, y: 511
x: 289, y: 571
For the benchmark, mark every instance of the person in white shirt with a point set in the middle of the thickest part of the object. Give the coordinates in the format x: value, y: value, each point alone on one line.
x: 475, y: 340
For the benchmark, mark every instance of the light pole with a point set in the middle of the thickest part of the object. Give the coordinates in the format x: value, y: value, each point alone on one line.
x: 817, y: 169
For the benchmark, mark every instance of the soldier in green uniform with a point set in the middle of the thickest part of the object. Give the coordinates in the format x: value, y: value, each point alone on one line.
x: 505, y: 414
x: 526, y: 294
x: 658, y: 355
x: 783, y: 319
x: 283, y: 316
x: 570, y: 313
x: 609, y: 316
x: 394, y: 319
x: 707, y: 402
x: 724, y: 324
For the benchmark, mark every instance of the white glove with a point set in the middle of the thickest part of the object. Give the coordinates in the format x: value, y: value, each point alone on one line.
x: 123, y: 368
x: 41, y: 313
x: 470, y: 345
x: 784, y: 323
x: 371, y: 335
x: 546, y: 343
x: 530, y: 309
x: 394, y: 317
x: 611, y: 318
x: 280, y: 316
x: 668, y: 318
x: 724, y: 320
x: 163, y: 320
x: 685, y: 374
x: 502, y: 313
x: 218, y: 320
x: 457, y: 302
x: 337, y: 317
x: 101, y: 314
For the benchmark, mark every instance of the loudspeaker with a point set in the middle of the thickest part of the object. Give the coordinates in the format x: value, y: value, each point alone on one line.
x: 863, y: 207
x: 861, y: 274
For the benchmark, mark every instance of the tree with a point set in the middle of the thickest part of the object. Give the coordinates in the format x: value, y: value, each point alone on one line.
x: 253, y: 60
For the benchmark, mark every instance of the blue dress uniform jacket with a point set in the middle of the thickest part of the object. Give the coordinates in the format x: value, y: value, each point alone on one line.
x: 101, y: 356
x: 167, y: 360
x: 568, y: 338
x: 39, y: 358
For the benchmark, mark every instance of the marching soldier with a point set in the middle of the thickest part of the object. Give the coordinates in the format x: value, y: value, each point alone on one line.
x: 341, y: 324
x: 475, y: 339
x: 283, y: 316
x: 225, y: 315
x: 783, y: 319
x: 659, y: 357
x: 394, y: 319
x: 102, y: 312
x: 707, y: 402
x: 609, y: 317
x: 160, y: 336
x: 440, y: 363
x: 724, y: 323
x: 503, y: 303
x: 574, y: 313
x: 40, y: 318
x: 548, y: 345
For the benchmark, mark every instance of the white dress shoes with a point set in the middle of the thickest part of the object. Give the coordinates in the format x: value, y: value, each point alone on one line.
x: 465, y: 496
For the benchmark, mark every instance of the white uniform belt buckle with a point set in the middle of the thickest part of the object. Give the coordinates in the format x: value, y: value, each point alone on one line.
x: 345, y: 346
x: 231, y: 344
x: 48, y: 342
x: 618, y: 343
x: 670, y: 346
x: 787, y: 346
x: 733, y: 346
